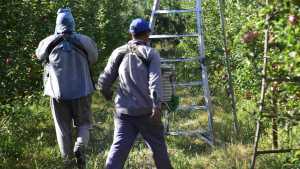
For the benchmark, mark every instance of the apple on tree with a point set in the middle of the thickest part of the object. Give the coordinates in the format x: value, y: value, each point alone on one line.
x: 249, y: 36
x: 293, y: 19
x: 8, y: 61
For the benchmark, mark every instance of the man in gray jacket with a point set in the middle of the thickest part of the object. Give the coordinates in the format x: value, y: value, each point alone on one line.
x: 137, y: 101
x: 67, y: 57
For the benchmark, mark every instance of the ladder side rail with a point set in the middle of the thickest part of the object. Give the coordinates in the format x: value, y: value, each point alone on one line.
x: 153, y: 13
x: 206, y: 90
x: 201, y: 58
x: 167, y: 11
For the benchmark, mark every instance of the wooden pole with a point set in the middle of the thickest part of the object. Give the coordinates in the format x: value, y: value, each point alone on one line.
x: 228, y: 69
x: 274, y: 120
x: 263, y: 90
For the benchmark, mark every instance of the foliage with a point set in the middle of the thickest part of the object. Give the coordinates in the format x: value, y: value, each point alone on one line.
x: 26, y: 129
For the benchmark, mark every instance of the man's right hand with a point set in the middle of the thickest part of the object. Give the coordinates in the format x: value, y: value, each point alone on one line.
x: 156, y: 114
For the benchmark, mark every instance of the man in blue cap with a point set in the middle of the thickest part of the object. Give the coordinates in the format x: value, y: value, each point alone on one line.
x: 137, y: 101
x: 67, y: 57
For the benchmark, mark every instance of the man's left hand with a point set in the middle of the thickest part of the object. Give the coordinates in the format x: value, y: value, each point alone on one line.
x: 156, y: 114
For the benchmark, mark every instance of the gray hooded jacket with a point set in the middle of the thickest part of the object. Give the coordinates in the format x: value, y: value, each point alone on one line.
x: 67, y: 69
x: 139, y: 82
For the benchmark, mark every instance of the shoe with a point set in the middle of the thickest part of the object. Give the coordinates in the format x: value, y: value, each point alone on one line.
x: 68, y: 163
x: 80, y: 159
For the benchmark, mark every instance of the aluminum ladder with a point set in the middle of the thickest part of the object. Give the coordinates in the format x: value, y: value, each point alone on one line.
x: 206, y: 135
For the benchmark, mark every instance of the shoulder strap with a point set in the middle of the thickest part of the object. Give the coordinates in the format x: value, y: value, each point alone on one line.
x: 70, y: 39
x: 74, y: 41
x: 52, y: 45
x: 133, y: 49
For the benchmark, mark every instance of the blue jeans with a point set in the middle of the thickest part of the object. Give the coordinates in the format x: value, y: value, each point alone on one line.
x: 125, y: 133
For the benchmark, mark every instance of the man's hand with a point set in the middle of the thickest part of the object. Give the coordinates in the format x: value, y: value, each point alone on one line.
x: 108, y: 94
x: 156, y: 114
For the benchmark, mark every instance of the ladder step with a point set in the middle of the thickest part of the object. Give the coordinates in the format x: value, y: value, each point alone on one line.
x: 179, y: 60
x: 166, y: 11
x: 274, y: 151
x: 189, y: 84
x: 173, y: 36
x: 191, y: 108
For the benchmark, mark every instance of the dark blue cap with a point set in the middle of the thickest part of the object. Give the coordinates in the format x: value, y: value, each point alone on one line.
x: 139, y: 25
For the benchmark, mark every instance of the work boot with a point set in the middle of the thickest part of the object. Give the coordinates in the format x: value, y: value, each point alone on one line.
x: 80, y: 159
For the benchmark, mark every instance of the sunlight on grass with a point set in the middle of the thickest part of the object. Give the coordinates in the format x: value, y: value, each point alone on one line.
x: 185, y: 152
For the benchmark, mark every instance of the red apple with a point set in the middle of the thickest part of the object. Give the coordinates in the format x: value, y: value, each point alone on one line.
x: 225, y: 78
x: 255, y: 34
x: 293, y: 19
x: 248, y: 95
x: 8, y: 61
x: 275, y: 66
x: 249, y: 36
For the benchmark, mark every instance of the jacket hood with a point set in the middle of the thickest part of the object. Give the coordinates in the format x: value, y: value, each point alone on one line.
x: 64, y: 22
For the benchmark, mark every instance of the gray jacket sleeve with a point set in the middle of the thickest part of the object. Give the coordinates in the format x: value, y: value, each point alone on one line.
x: 90, y: 47
x: 41, y: 52
x: 154, y: 78
x: 110, y: 73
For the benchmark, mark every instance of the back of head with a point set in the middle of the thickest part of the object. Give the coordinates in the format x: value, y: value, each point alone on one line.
x: 64, y: 22
x: 139, y: 27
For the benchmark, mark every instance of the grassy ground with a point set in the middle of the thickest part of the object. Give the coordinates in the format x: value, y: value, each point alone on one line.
x: 39, y: 150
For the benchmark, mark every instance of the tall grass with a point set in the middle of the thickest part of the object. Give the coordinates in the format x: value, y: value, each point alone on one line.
x: 36, y: 148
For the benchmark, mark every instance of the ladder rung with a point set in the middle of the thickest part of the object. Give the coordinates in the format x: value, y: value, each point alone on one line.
x: 191, y: 108
x: 166, y: 11
x: 274, y: 151
x: 179, y: 60
x: 188, y: 84
x: 173, y: 36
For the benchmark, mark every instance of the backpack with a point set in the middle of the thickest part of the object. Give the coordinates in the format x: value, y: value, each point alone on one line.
x: 74, y: 41
x: 133, y: 51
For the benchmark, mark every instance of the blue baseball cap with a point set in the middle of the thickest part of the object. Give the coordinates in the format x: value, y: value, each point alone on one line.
x: 139, y: 25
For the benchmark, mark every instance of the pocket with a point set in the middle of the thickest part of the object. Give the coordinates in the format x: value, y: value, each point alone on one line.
x: 52, y: 87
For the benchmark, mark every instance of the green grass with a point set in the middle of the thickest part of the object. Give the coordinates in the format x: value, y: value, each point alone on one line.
x: 37, y: 148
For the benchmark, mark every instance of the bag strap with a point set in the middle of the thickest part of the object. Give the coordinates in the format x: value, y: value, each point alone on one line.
x: 134, y: 49
x: 52, y: 45
x: 79, y: 46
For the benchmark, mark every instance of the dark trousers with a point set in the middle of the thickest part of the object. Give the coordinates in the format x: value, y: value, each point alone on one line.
x: 65, y: 114
x: 125, y: 133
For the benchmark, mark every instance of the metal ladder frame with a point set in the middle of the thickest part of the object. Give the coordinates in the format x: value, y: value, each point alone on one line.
x: 201, y: 58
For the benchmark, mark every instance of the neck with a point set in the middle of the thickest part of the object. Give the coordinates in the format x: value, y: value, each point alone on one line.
x: 140, y: 39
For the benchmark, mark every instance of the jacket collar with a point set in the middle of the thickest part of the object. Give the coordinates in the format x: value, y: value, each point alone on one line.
x: 138, y: 42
